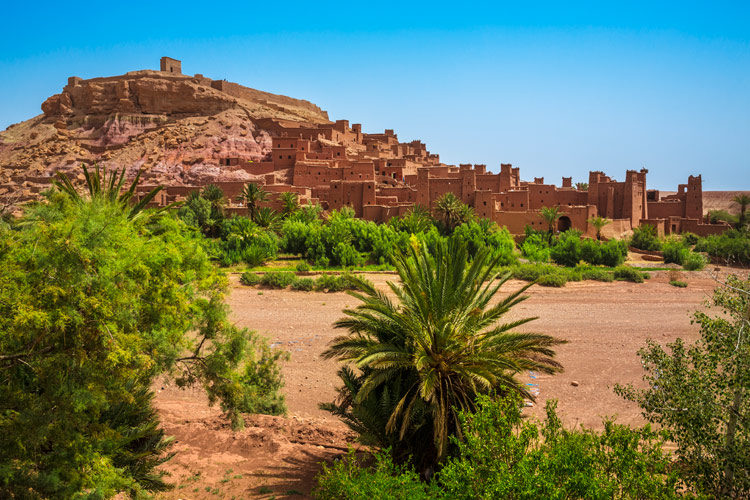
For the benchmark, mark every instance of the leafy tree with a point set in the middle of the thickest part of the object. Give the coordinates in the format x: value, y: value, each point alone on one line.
x: 442, y: 340
x: 290, y: 202
x: 267, y: 218
x: 582, y: 186
x: 452, y: 212
x: 699, y: 394
x: 99, y: 185
x: 94, y: 304
x: 743, y: 200
x: 253, y: 195
x: 598, y: 223
x: 550, y: 216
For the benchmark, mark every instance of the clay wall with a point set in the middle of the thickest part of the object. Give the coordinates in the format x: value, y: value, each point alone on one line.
x: 169, y: 65
x: 405, y: 194
x: 513, y: 201
x: 353, y: 194
x: 484, y: 204
x: 666, y: 209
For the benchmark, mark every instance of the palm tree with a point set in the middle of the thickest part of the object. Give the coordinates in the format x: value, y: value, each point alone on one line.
x: 102, y: 186
x: 452, y: 212
x: 416, y: 220
x: 441, y: 342
x: 290, y: 202
x: 252, y: 195
x: 743, y: 201
x: 582, y: 186
x: 598, y: 223
x: 550, y: 216
x: 267, y: 217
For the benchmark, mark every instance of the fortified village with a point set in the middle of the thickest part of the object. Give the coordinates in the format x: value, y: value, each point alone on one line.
x: 295, y: 148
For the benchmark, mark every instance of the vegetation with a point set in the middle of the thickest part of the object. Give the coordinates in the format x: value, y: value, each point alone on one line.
x: 743, y: 201
x: 503, y: 455
x: 96, y: 301
x: 452, y: 212
x: 252, y: 196
x: 645, y: 238
x: 698, y: 394
x: 733, y: 247
x: 429, y: 356
x: 550, y: 216
x: 598, y: 223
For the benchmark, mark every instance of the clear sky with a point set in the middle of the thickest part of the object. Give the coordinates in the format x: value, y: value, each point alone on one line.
x: 556, y: 88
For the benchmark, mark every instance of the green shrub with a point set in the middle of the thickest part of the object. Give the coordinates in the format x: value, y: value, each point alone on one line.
x: 717, y: 216
x: 249, y: 279
x: 333, y: 283
x: 689, y: 239
x: 674, y: 251
x: 613, y: 253
x: 535, y: 248
x: 567, y: 250
x: 678, y: 284
x: 348, y: 479
x: 732, y: 246
x: 532, y: 272
x: 303, y: 285
x: 595, y: 274
x: 628, y: 274
x: 303, y: 267
x: 277, y: 279
x: 504, y: 455
x: 645, y: 238
x: 694, y: 262
x: 555, y: 280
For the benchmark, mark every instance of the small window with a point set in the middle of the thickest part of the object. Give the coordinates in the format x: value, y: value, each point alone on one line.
x: 521, y: 205
x: 281, y: 157
x: 289, y: 157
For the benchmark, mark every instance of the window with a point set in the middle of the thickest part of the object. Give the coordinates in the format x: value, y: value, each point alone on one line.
x: 289, y: 157
x: 521, y: 205
x: 281, y: 157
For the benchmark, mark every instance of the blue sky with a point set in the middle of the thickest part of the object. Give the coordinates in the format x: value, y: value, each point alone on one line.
x: 556, y: 88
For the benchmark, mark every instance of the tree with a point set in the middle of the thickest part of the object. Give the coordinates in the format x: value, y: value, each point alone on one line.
x: 94, y: 305
x: 441, y: 342
x: 582, y: 186
x: 290, y: 202
x: 550, y: 216
x: 267, y: 218
x: 253, y: 195
x: 452, y: 212
x: 743, y: 201
x: 415, y: 221
x: 110, y: 189
x: 598, y: 223
x: 698, y: 393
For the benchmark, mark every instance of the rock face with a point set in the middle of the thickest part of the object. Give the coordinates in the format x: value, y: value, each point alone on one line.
x: 175, y: 127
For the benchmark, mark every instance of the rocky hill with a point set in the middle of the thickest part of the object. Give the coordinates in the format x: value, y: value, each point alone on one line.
x: 176, y: 127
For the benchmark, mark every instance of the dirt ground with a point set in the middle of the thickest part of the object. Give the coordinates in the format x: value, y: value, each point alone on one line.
x: 277, y: 457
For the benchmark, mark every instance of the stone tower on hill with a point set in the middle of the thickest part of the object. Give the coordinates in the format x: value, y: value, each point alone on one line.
x: 169, y: 65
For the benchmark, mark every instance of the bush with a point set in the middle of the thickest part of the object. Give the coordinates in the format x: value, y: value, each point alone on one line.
x: 628, y: 274
x: 678, y: 284
x: 333, y: 283
x: 694, y: 262
x: 277, y: 279
x: 303, y: 285
x: 249, y: 279
x: 595, y: 274
x: 613, y: 253
x: 348, y: 479
x: 567, y: 251
x: 535, y: 248
x: 532, y: 272
x: 674, y: 252
x: 556, y: 280
x: 504, y: 455
x: 645, y: 238
x: 690, y: 239
x: 732, y: 246
x: 303, y: 267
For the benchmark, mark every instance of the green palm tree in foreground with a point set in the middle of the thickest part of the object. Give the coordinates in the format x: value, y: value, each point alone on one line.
x: 743, y: 201
x: 598, y: 223
x: 440, y: 342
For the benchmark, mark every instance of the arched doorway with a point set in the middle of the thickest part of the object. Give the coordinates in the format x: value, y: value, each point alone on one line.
x: 563, y: 223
